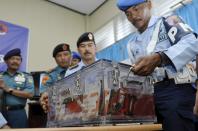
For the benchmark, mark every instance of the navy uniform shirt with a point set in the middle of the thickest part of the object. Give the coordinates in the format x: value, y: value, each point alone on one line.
x: 59, y: 73
x: 19, y: 81
x: 49, y: 78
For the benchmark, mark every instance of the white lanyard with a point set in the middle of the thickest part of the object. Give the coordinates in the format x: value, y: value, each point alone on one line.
x: 150, y: 47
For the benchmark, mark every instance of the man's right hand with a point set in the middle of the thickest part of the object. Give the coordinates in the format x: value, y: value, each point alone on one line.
x: 44, y: 102
x: 146, y: 65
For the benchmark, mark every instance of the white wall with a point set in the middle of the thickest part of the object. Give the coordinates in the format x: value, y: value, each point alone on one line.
x: 49, y: 25
x: 103, y: 15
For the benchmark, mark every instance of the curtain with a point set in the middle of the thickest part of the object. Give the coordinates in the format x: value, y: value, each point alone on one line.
x: 116, y: 52
x: 189, y: 14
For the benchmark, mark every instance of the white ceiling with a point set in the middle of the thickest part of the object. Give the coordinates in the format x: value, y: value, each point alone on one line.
x: 87, y: 7
x: 82, y: 6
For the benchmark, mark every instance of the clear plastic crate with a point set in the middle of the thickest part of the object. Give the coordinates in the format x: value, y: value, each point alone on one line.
x: 101, y: 93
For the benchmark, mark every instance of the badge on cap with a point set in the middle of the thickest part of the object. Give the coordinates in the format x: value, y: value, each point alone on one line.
x: 90, y: 36
x: 64, y: 47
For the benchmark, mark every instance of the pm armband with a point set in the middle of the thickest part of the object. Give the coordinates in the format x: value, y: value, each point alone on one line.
x: 176, y: 29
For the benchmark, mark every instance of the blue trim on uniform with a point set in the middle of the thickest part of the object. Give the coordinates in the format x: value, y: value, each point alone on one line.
x: 111, y: 52
x: 191, y: 19
x: 125, y: 4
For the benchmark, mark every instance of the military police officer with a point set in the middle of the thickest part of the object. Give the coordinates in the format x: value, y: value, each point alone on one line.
x: 162, y: 48
x: 17, y: 87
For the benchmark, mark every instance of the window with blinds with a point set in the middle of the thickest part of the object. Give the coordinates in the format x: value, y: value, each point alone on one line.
x: 105, y: 36
x: 122, y: 27
x: 116, y: 29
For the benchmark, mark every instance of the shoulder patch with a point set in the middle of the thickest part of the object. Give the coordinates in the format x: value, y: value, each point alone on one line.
x: 44, y: 78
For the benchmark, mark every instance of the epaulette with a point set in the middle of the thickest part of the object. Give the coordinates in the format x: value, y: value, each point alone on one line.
x: 73, y: 67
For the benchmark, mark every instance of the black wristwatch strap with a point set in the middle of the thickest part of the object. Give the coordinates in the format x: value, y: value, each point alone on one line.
x: 164, y: 59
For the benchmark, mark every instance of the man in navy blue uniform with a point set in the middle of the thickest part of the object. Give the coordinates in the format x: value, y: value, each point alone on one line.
x: 62, y: 56
x: 163, y: 48
x: 17, y: 87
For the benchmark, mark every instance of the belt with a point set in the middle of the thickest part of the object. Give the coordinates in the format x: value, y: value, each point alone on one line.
x: 166, y: 80
x: 15, y: 107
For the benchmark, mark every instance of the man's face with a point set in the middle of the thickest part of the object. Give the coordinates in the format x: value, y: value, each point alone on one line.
x: 139, y: 15
x: 63, y: 59
x: 87, y: 50
x: 74, y: 61
x: 14, y: 62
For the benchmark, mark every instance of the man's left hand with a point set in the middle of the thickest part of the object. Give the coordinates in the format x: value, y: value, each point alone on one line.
x: 146, y: 65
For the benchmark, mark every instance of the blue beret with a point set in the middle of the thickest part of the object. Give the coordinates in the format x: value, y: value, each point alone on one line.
x: 75, y: 55
x: 13, y: 52
x: 60, y: 48
x: 126, y: 4
x: 87, y: 36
